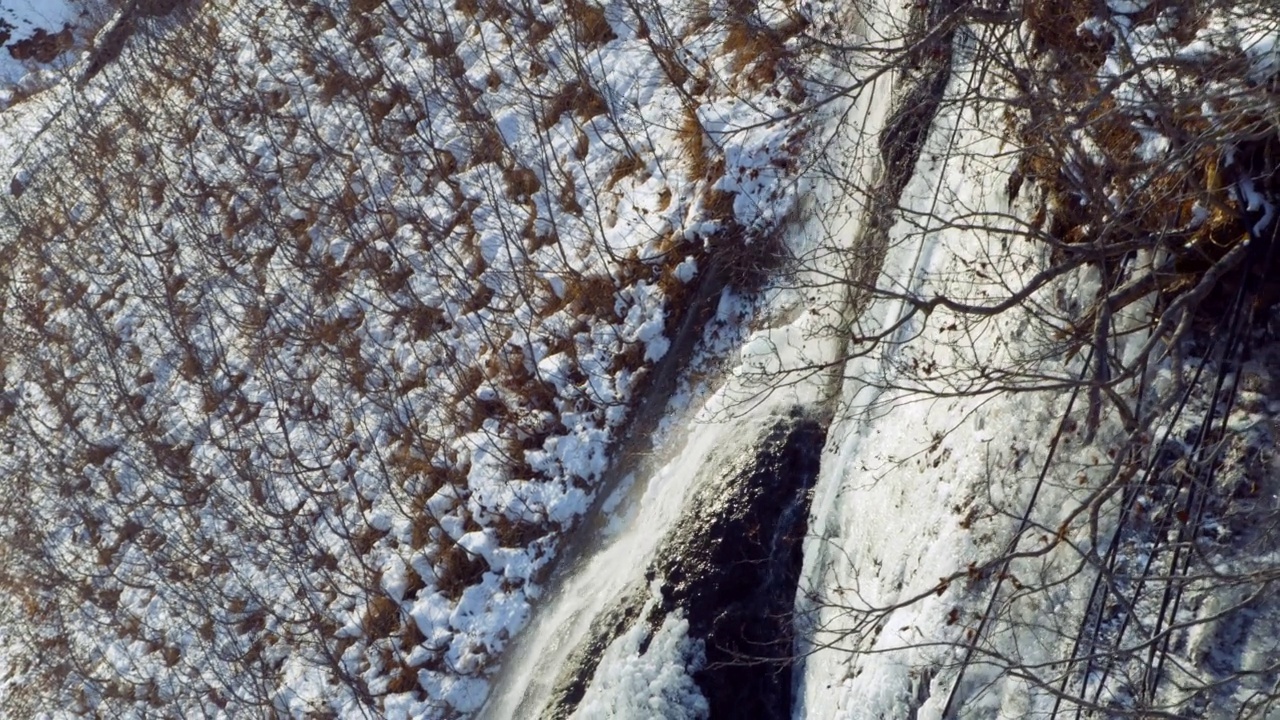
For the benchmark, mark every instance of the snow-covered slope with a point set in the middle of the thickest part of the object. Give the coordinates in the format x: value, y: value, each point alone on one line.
x: 322, y: 323
x: 982, y: 544
x: 918, y: 487
x: 320, y: 319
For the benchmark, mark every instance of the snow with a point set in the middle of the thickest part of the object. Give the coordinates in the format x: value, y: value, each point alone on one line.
x: 904, y: 455
x: 932, y: 473
x: 353, y: 371
x: 1128, y: 7
x: 640, y: 522
x: 655, y: 683
x: 889, y: 473
x: 686, y: 270
x: 645, y: 321
x: 28, y: 16
x: 772, y: 370
x: 62, y: 24
x: 363, y: 352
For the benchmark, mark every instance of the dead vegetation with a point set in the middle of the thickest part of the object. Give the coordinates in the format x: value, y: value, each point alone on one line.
x: 287, y: 318
x: 590, y: 26
x: 1108, y: 192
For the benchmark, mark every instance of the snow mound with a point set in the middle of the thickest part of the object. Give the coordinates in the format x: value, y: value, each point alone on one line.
x: 647, y: 675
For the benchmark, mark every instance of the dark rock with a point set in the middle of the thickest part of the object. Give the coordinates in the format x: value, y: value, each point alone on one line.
x: 734, y: 566
x: 731, y: 567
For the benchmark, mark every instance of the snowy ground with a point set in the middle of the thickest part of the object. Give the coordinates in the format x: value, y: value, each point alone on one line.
x: 890, y: 511
x: 310, y: 365
x: 42, y: 40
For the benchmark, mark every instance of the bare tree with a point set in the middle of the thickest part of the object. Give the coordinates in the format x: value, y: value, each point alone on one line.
x: 1124, y: 274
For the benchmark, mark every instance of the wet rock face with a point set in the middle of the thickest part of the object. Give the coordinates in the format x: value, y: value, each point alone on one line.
x: 734, y: 565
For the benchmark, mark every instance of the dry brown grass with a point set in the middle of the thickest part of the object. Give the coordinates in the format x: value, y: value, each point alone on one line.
x: 1150, y: 200
x: 693, y: 142
x: 381, y: 616
x: 516, y: 533
x: 365, y: 6
x: 591, y: 295
x: 1053, y: 26
x: 626, y: 166
x: 568, y: 198
x: 43, y: 46
x: 456, y: 570
x: 719, y: 205
x: 521, y: 182
x: 584, y: 100
x: 404, y: 678
x: 590, y: 27
x: 750, y: 45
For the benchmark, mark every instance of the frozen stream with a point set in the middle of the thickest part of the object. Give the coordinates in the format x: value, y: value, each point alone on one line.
x: 587, y: 644
x: 726, y: 428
